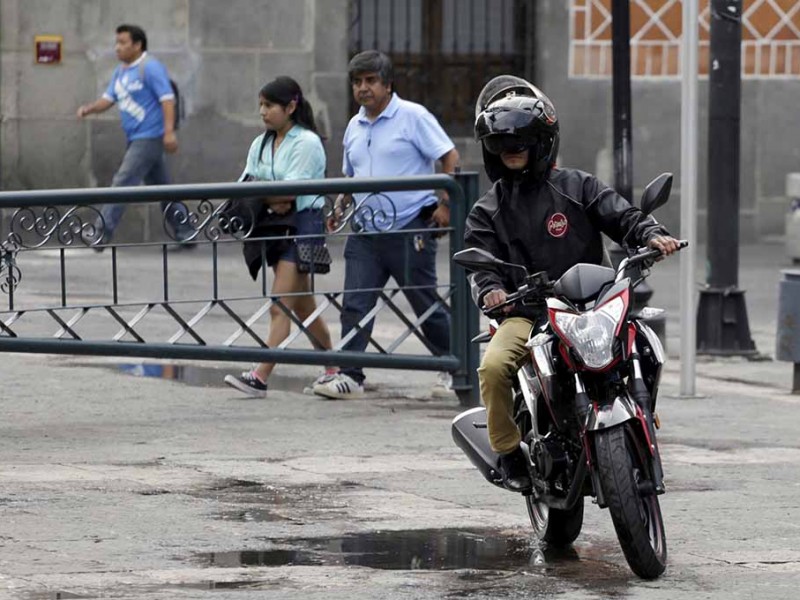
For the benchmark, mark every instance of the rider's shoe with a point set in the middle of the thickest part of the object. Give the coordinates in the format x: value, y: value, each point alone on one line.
x: 514, y: 469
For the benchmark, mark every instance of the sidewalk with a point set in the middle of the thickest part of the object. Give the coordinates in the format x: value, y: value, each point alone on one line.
x: 140, y: 273
x: 759, y: 276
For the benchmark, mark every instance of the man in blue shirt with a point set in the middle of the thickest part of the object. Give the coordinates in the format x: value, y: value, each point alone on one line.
x: 141, y: 89
x: 390, y: 137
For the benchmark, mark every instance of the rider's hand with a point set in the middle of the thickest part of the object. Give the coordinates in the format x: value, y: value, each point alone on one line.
x: 494, y: 298
x: 666, y: 243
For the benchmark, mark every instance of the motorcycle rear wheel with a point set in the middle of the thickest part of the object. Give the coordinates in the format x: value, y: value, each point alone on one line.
x: 622, y: 461
x: 554, y: 526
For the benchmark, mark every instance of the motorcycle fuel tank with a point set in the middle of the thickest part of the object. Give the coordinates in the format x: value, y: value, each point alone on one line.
x: 470, y: 434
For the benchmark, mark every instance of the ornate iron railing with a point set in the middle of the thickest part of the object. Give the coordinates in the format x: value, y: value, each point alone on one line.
x: 68, y: 225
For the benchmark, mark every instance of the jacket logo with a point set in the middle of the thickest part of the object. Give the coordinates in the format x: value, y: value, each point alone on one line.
x: 557, y: 225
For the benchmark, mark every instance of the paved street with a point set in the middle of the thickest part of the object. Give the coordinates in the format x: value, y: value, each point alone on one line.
x: 114, y: 485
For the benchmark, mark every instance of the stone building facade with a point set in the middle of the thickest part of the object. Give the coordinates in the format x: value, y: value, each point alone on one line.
x: 221, y: 53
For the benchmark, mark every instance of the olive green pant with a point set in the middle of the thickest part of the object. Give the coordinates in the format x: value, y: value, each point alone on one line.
x: 504, y: 355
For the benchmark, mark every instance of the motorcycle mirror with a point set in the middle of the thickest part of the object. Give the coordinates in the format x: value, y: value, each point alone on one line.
x: 656, y: 193
x: 475, y: 258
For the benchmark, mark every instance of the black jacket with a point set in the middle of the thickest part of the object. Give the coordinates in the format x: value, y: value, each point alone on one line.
x: 267, y: 224
x: 549, y: 226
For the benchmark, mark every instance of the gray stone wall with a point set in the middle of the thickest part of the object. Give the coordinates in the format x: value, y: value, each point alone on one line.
x: 769, y: 131
x: 219, y: 53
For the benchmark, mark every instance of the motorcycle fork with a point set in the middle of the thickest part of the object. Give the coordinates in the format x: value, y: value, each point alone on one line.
x: 582, y: 407
x: 642, y: 398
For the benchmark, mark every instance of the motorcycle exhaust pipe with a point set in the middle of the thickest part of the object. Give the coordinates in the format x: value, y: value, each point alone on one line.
x: 470, y: 434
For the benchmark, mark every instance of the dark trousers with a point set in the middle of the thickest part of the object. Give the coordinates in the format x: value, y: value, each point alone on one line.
x: 143, y: 162
x: 369, y: 262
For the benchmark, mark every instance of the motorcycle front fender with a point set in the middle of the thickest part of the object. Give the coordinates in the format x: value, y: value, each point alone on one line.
x: 622, y: 409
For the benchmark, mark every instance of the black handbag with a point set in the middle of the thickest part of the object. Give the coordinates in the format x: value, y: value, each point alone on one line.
x: 241, y: 214
x: 313, y: 258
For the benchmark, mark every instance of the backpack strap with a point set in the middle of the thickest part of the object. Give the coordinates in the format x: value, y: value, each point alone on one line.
x: 141, y: 68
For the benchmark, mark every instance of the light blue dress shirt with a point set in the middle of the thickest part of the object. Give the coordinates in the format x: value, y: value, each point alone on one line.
x: 300, y: 156
x: 404, y: 140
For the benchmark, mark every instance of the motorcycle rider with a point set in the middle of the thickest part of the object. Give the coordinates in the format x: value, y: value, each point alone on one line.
x: 541, y: 216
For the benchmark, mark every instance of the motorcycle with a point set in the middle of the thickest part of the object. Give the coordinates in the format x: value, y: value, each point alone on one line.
x: 585, y: 401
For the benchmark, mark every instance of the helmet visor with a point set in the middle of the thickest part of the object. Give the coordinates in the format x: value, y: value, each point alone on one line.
x: 504, y: 143
x: 509, y: 120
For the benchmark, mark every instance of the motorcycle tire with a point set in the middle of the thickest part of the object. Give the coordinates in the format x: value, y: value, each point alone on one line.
x: 622, y: 460
x: 556, y: 527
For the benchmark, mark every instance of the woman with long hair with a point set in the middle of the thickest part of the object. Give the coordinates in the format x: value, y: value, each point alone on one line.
x: 289, y: 149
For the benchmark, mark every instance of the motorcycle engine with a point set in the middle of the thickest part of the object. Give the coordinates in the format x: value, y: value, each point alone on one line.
x: 550, y: 458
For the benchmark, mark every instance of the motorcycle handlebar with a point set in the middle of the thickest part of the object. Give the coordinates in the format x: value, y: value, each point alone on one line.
x: 542, y: 288
x: 646, y: 254
x: 525, y: 292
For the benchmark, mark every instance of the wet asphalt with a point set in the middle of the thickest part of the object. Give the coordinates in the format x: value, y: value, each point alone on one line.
x: 153, y: 480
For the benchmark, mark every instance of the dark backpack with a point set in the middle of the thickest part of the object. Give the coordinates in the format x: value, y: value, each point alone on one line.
x: 179, y: 112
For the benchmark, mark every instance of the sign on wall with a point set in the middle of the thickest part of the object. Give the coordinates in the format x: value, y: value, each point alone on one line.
x: 47, y: 49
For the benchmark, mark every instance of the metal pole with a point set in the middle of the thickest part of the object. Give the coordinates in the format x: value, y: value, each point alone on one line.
x: 464, y: 323
x: 623, y: 142
x: 722, y: 322
x: 621, y: 100
x: 689, y: 63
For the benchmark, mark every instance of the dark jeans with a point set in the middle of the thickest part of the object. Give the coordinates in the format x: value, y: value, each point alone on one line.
x: 369, y: 262
x: 143, y: 162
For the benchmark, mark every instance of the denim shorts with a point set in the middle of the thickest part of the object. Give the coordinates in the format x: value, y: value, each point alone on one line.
x: 308, y: 222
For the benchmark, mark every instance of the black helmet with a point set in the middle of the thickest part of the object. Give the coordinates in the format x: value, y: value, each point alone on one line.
x: 512, y: 114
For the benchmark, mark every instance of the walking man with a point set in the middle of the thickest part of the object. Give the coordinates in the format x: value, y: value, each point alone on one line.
x: 141, y: 88
x: 391, y: 137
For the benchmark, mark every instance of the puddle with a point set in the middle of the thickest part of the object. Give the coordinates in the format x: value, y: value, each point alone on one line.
x: 393, y: 550
x: 490, y: 563
x: 202, y: 376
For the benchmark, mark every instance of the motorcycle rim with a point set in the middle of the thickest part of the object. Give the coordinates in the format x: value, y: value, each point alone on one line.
x: 539, y: 514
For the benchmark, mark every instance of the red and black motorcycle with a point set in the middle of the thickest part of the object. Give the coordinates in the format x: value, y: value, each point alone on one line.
x: 585, y: 402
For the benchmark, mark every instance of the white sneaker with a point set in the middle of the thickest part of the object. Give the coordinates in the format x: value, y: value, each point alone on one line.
x: 338, y: 387
x: 443, y: 388
x: 324, y: 378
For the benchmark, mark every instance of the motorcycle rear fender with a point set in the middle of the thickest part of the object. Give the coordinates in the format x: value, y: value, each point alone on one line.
x: 471, y: 435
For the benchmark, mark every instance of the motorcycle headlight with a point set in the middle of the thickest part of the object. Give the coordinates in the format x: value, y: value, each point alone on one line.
x: 591, y: 334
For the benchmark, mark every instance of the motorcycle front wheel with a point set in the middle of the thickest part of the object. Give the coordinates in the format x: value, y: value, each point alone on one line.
x: 554, y: 526
x: 622, y: 463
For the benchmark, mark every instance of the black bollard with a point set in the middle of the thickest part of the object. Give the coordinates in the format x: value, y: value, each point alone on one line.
x: 788, y: 334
